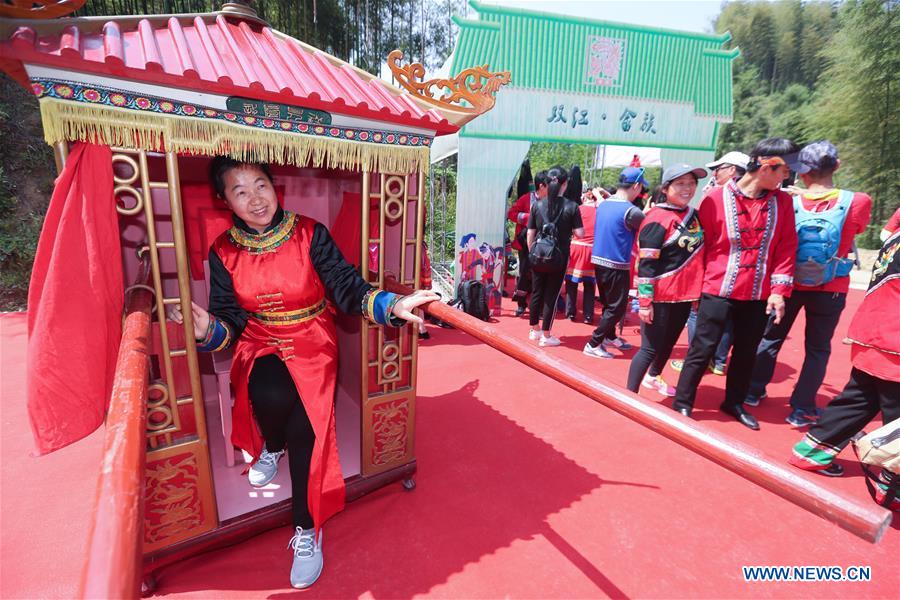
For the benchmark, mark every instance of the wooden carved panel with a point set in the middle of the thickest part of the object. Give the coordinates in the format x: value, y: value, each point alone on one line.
x: 394, y: 228
x: 388, y: 431
x: 178, y: 500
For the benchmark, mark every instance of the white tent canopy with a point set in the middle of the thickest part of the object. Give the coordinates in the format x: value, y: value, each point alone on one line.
x: 621, y: 156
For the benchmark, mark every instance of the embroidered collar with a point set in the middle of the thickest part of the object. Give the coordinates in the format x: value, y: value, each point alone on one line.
x: 275, y: 235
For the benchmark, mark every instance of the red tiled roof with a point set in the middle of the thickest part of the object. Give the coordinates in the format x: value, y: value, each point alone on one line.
x: 215, y: 54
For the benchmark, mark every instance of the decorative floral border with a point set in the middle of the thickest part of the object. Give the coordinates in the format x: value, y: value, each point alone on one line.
x: 76, y: 92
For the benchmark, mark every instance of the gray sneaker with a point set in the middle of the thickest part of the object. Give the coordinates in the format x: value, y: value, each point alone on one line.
x: 264, y: 470
x: 619, y: 343
x: 308, y: 560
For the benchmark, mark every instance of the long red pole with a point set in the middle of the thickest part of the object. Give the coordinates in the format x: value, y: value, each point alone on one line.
x: 112, y: 566
x: 862, y: 519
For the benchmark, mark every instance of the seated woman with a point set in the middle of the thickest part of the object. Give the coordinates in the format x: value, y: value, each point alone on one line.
x: 272, y: 276
x: 670, y: 274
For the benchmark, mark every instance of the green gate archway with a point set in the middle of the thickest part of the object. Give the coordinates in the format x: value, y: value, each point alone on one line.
x: 583, y: 81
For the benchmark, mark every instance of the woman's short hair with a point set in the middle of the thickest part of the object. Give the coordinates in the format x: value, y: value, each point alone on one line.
x: 220, y: 165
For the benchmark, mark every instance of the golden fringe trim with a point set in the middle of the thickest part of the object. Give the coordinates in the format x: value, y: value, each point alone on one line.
x: 113, y: 126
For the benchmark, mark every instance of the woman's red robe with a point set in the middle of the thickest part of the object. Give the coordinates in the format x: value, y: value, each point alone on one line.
x: 279, y: 289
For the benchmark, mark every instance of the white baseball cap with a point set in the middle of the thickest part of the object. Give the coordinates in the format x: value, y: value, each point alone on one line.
x: 738, y: 159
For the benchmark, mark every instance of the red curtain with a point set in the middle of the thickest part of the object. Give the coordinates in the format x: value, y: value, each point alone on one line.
x: 206, y: 217
x: 346, y: 228
x: 75, y: 303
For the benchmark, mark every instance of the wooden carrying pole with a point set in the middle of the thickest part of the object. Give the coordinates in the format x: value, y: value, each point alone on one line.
x: 863, y: 519
x: 112, y: 567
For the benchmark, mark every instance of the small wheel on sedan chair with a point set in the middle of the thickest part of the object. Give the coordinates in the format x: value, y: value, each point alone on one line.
x: 408, y: 484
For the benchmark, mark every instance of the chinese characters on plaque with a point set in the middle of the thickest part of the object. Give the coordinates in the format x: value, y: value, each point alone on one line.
x: 579, y: 117
x: 272, y: 110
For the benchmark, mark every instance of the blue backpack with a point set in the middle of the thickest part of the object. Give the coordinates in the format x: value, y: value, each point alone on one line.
x: 819, y: 235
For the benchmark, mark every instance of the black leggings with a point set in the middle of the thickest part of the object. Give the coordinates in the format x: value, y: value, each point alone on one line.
x: 590, y: 288
x: 282, y: 420
x: 545, y: 288
x: 523, y: 281
x: 657, y: 340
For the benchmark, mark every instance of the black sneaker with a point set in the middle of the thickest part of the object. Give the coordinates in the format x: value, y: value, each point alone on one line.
x: 832, y: 470
x: 520, y: 311
x: 799, y: 418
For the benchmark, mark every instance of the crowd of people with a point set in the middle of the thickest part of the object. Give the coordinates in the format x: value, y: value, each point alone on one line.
x: 737, y: 268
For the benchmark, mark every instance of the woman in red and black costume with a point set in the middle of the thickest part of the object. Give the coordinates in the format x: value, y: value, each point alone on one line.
x: 670, y: 275
x: 275, y: 279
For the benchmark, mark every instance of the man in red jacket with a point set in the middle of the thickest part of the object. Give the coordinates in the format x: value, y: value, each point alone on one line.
x: 748, y: 228
x: 518, y: 214
x: 823, y: 214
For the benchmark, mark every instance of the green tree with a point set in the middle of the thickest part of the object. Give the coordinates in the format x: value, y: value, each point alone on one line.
x: 856, y: 104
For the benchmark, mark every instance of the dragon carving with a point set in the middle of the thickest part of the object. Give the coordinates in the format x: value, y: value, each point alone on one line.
x: 38, y: 9
x: 475, y: 86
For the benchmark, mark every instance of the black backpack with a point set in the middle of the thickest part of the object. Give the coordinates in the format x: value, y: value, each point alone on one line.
x: 545, y: 255
x: 470, y: 296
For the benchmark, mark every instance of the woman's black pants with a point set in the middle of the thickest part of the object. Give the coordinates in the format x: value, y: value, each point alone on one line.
x: 545, y: 288
x: 283, y: 422
x: 657, y: 340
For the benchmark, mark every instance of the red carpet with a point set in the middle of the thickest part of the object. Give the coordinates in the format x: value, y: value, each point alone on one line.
x: 525, y: 489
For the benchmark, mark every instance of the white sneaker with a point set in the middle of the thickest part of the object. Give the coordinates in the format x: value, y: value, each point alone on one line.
x: 549, y: 341
x: 659, y: 384
x: 308, y: 559
x: 264, y: 470
x: 534, y: 334
x: 598, y: 352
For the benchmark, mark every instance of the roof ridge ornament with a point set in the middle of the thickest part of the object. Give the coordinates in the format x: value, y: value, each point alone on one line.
x: 475, y: 86
x: 38, y: 9
x: 239, y: 8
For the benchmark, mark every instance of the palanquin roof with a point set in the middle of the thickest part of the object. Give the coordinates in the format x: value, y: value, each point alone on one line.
x: 234, y: 54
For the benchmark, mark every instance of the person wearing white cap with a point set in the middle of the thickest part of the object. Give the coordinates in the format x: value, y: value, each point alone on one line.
x: 731, y: 165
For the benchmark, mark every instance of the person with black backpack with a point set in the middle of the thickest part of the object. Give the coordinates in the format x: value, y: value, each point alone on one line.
x: 518, y: 213
x: 551, y: 223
